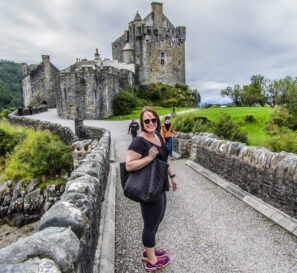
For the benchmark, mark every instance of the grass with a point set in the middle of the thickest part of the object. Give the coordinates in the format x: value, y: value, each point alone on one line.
x: 136, y: 113
x: 257, y: 135
x: 58, y: 181
x: 36, y: 153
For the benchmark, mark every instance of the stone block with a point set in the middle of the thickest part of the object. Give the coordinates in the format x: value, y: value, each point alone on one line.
x: 32, y: 265
x: 55, y: 243
x: 64, y: 214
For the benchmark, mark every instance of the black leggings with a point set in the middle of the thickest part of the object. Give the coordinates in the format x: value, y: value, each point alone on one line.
x: 152, y: 214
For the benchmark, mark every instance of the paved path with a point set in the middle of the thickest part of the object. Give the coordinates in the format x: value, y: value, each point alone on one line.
x: 205, y: 229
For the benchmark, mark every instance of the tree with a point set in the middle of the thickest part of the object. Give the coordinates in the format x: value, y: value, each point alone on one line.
x: 234, y: 93
x: 10, y: 84
x: 286, y: 88
x: 197, y: 97
x: 254, y: 93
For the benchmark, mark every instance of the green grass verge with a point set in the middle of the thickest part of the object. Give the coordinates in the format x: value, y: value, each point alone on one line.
x: 136, y: 113
x: 257, y: 135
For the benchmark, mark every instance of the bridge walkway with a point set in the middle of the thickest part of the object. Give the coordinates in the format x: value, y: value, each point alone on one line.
x: 205, y: 229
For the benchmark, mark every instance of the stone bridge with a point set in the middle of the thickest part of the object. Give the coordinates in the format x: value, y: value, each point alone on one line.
x: 210, y: 225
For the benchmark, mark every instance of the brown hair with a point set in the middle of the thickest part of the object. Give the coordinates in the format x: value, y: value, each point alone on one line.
x: 153, y: 111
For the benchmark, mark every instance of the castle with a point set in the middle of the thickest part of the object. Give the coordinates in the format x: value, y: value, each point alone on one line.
x: 151, y: 50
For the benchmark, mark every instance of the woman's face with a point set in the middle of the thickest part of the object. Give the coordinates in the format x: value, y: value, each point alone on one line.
x: 150, y: 127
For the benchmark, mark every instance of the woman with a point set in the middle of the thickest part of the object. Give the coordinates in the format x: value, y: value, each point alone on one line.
x: 166, y: 132
x: 138, y: 156
x: 133, y: 128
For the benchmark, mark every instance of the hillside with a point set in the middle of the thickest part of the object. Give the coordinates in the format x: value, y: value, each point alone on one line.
x: 256, y: 133
x: 10, y: 84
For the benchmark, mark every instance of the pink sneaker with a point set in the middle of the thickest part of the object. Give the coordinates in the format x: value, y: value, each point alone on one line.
x: 161, y: 262
x: 159, y: 253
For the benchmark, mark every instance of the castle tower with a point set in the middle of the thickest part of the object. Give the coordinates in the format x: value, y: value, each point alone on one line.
x: 155, y: 46
x: 157, y: 14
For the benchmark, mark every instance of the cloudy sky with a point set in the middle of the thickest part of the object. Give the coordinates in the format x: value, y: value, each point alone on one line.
x: 228, y: 41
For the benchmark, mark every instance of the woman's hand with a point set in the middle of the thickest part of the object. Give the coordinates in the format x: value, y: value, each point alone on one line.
x: 153, y: 151
x: 174, y: 184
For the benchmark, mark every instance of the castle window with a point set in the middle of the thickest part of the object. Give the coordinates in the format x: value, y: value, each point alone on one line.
x: 148, y: 30
x: 156, y: 32
x: 162, y: 58
x: 179, y: 62
x: 139, y: 30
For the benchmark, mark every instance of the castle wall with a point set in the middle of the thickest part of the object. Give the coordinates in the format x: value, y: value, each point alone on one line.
x: 27, y: 90
x: 117, y: 47
x: 42, y: 81
x: 88, y: 93
x: 158, y: 48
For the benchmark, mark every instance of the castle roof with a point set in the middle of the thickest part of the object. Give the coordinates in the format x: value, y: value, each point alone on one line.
x: 137, y: 17
x: 127, y: 47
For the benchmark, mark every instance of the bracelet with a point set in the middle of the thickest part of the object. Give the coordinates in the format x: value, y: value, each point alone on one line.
x: 171, y: 176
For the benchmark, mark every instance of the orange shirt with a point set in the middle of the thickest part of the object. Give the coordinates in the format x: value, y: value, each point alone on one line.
x: 165, y: 133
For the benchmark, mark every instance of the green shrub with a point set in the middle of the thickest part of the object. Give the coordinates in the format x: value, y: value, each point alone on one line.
x: 181, y: 86
x: 249, y: 118
x: 5, y: 112
x: 169, y: 102
x: 124, y: 103
x: 225, y: 128
x: 200, y: 126
x: 155, y: 95
x: 282, y: 117
x: 9, y: 140
x: 284, y: 141
x: 184, y: 123
x: 41, y: 153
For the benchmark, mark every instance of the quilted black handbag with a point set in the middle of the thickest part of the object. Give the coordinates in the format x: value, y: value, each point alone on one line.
x: 146, y: 184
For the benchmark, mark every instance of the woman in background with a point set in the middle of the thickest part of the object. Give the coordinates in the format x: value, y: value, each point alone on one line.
x: 133, y: 128
x: 166, y: 133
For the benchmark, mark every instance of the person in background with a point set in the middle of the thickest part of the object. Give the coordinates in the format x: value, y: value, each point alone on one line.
x: 166, y: 133
x: 133, y: 128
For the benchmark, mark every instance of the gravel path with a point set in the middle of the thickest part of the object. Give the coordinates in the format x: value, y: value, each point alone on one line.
x: 205, y: 229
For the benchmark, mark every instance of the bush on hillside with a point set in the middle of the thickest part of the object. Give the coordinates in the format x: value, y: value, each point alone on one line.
x: 249, y: 118
x: 41, y: 153
x: 282, y: 117
x: 5, y: 112
x: 184, y: 123
x: 166, y: 95
x: 226, y: 128
x: 8, y: 141
x: 284, y: 141
x: 124, y: 103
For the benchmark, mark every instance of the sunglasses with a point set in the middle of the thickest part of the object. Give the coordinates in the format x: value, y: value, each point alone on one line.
x: 153, y: 120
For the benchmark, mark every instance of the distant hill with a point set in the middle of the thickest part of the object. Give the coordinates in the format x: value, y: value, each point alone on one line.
x: 10, y: 84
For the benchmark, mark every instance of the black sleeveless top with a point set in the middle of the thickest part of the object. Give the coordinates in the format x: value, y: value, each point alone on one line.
x: 140, y: 146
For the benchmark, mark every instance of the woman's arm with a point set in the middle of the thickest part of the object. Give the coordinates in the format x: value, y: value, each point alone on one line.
x: 134, y: 161
x: 173, y: 179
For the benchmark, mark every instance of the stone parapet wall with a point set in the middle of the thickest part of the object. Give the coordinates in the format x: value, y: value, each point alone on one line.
x: 68, y: 232
x: 64, y: 132
x: 269, y: 176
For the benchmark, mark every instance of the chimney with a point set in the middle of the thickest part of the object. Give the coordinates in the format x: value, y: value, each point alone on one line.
x: 157, y: 8
x: 97, y: 55
x: 45, y: 58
